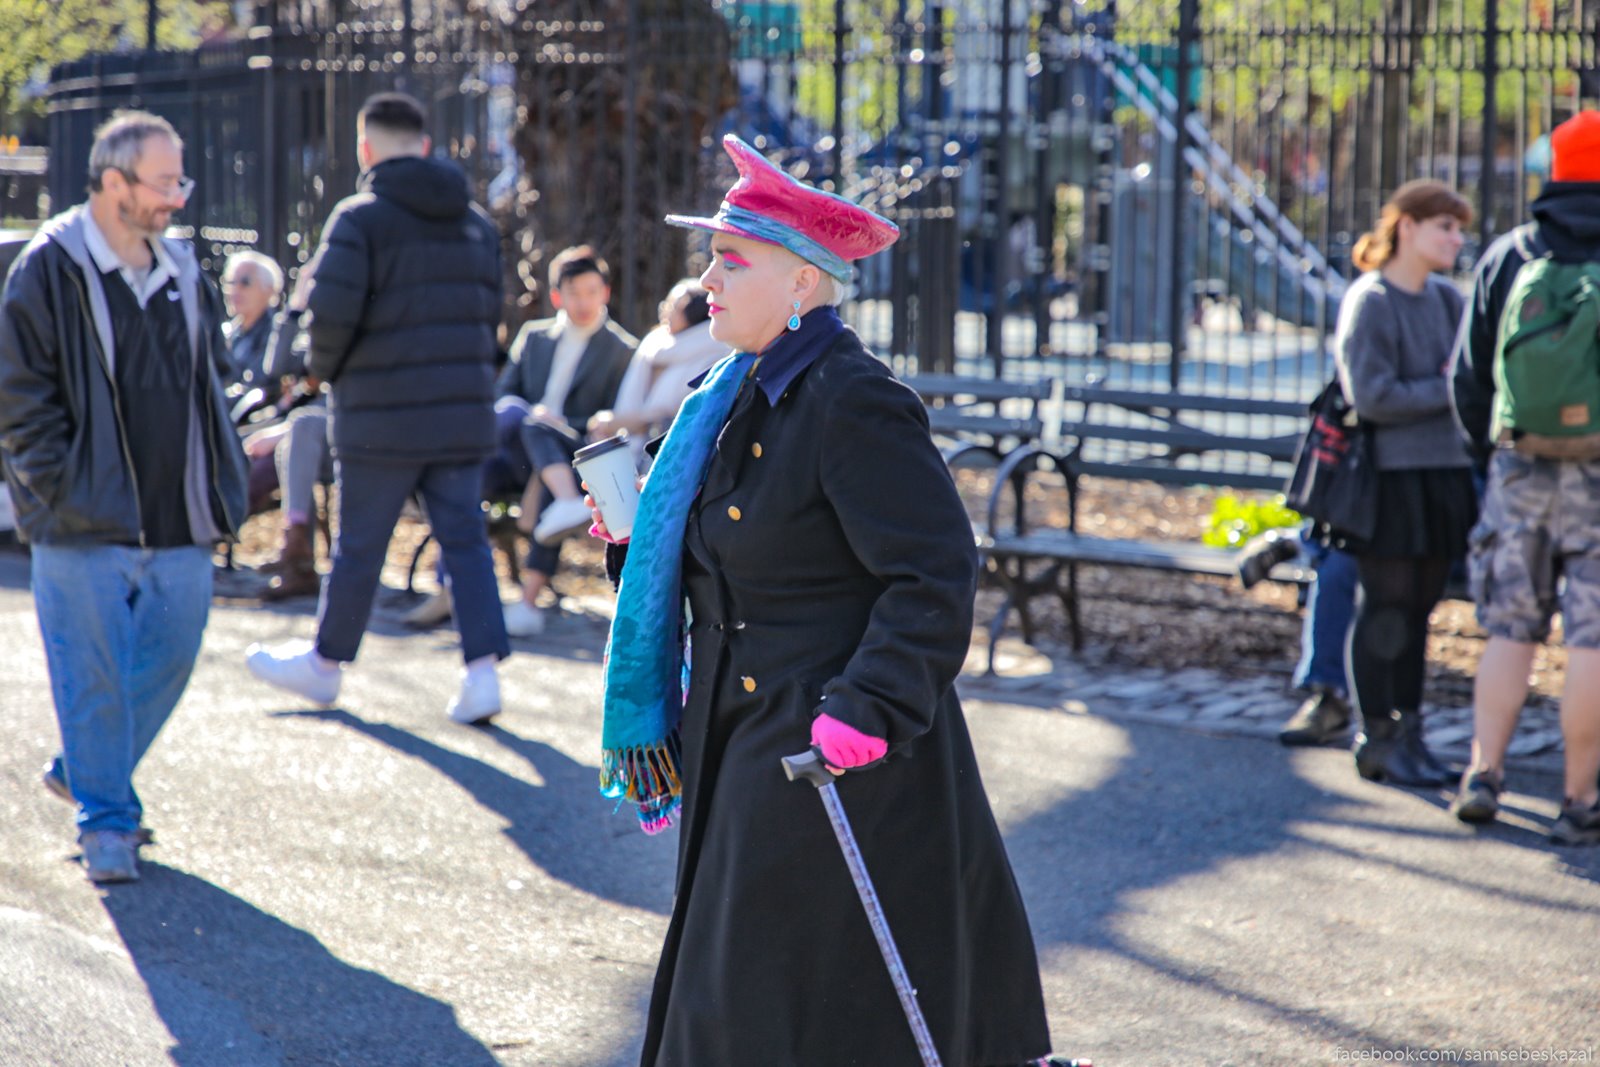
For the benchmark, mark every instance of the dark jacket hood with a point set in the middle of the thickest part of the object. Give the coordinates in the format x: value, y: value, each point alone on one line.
x: 1569, y: 218
x: 430, y: 188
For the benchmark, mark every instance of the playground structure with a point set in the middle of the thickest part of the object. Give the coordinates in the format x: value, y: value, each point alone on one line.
x: 1242, y: 248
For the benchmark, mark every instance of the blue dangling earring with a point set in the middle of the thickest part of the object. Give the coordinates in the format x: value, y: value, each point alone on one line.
x: 794, y: 320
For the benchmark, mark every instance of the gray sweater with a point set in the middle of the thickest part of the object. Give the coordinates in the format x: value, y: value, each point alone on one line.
x: 1393, y: 351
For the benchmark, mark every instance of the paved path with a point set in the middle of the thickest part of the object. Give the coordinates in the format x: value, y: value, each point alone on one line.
x: 373, y: 885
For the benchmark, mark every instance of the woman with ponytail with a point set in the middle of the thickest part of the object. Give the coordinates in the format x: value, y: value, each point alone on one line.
x: 1397, y: 327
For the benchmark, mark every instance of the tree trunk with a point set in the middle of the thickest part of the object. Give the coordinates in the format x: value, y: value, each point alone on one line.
x: 581, y: 66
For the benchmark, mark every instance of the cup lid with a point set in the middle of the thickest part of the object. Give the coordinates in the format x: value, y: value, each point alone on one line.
x: 600, y: 448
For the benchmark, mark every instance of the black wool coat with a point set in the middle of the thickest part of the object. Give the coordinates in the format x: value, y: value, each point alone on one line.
x: 829, y: 566
x: 403, y: 303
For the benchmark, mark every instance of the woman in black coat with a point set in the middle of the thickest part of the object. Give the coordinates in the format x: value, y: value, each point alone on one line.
x: 828, y: 570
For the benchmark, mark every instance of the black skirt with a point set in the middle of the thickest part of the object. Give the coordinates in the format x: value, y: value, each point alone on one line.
x: 1423, y: 513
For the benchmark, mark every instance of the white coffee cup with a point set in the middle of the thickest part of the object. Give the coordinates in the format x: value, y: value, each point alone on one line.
x: 607, y: 468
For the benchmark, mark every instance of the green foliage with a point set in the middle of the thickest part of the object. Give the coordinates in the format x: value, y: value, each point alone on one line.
x: 876, y: 74
x: 35, y: 35
x: 1235, y: 520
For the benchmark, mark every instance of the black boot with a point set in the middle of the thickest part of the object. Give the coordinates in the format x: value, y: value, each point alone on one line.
x: 1322, y: 718
x: 1430, y: 770
x: 1390, y: 749
x: 1375, y: 746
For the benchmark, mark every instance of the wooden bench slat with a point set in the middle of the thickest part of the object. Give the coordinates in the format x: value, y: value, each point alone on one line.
x: 1169, y: 475
x: 945, y: 386
x: 942, y: 420
x: 1156, y: 555
x: 1279, y: 447
x: 1145, y: 401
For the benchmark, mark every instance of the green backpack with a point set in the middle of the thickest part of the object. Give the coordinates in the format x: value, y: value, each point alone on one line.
x: 1547, y: 357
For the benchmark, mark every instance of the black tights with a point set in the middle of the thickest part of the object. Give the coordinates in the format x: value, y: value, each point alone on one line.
x: 1389, y: 640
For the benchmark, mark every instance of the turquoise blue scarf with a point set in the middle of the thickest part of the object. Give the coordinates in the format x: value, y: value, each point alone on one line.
x: 644, y: 669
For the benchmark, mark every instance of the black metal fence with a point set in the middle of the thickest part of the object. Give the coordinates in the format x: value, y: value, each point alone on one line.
x: 269, y: 121
x: 1158, y: 196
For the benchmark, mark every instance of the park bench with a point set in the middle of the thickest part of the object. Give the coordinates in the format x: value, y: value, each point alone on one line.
x: 979, y: 420
x: 1131, y: 436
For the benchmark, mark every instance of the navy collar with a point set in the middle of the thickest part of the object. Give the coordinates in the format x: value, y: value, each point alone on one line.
x: 787, y: 358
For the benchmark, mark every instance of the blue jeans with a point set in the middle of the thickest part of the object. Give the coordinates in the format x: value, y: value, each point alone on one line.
x: 371, y: 496
x: 121, y: 628
x: 1330, y: 609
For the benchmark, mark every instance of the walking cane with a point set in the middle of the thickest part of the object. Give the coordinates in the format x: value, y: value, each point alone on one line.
x: 808, y: 766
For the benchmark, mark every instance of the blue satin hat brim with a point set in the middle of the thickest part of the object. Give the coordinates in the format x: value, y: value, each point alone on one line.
x: 741, y: 223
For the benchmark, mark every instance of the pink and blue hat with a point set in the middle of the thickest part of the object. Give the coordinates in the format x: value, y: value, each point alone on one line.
x: 766, y: 204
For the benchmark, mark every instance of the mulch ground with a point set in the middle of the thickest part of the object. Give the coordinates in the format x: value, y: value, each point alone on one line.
x: 1132, y: 617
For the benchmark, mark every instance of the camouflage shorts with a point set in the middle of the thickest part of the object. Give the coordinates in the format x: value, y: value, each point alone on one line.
x: 1536, y: 547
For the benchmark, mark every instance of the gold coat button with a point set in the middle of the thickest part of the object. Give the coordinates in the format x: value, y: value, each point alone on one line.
x: 755, y: 450
x: 735, y: 514
x: 749, y: 684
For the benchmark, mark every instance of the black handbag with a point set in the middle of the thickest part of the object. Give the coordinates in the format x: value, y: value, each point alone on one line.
x: 1335, y: 479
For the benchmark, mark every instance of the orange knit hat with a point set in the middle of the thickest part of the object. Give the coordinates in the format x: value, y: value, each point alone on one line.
x: 1575, y: 149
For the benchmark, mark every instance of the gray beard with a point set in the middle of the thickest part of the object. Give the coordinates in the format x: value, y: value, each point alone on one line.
x: 138, y: 226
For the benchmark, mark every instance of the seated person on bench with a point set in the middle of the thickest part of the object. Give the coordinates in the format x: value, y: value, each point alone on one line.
x: 561, y: 372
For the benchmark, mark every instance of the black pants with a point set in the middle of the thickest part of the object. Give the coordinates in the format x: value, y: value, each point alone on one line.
x: 1388, y: 647
x: 370, y: 498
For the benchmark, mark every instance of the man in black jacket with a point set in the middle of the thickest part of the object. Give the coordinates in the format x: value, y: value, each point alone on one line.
x: 1535, y: 545
x: 123, y: 467
x: 403, y: 300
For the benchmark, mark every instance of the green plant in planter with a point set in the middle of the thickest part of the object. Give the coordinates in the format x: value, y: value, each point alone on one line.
x: 1235, y: 520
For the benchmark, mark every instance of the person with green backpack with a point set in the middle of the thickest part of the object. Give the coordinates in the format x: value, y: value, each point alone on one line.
x: 1526, y: 392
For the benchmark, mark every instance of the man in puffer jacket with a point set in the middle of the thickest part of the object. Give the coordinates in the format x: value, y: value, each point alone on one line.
x: 403, y: 303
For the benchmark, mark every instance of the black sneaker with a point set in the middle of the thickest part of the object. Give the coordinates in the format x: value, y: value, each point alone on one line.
x: 1322, y: 718
x: 1478, y: 801
x: 1257, y: 558
x: 1577, y: 826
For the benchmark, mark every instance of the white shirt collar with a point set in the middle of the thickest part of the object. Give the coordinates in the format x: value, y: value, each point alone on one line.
x: 106, y: 260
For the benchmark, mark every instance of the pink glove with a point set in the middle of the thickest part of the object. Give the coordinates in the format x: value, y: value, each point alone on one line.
x: 604, y: 534
x: 843, y: 746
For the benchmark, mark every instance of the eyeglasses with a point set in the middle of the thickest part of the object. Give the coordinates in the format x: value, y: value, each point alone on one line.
x: 180, y: 188
x: 240, y: 281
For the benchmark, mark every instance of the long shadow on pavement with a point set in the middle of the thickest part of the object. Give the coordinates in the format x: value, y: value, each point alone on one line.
x: 558, y: 825
x: 237, y: 986
x: 1177, y: 805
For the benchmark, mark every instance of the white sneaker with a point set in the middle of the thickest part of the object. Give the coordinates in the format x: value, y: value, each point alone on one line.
x: 293, y: 666
x: 561, y: 520
x: 431, y: 612
x: 479, y: 699
x: 524, y: 621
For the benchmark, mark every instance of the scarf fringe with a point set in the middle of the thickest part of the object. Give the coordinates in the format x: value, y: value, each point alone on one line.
x: 647, y: 777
